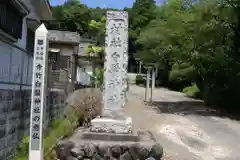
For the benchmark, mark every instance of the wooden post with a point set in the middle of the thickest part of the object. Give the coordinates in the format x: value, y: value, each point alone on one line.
x: 72, y: 65
x: 140, y: 67
x: 95, y: 81
x: 75, y: 64
x: 49, y: 80
x: 153, y: 83
x: 147, y: 84
x: 38, y: 101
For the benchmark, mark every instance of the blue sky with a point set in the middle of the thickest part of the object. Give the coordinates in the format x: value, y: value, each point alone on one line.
x: 101, y: 3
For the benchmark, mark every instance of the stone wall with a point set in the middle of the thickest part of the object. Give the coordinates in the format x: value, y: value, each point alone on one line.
x: 101, y: 151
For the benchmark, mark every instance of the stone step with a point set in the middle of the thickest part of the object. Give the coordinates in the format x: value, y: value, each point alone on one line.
x: 110, y: 137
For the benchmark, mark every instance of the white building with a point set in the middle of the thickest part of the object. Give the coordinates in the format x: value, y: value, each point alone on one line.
x: 85, y: 63
x: 18, y: 22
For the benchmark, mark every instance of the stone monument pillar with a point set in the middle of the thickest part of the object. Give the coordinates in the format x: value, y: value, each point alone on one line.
x: 112, y: 133
x: 116, y: 59
x: 115, y: 75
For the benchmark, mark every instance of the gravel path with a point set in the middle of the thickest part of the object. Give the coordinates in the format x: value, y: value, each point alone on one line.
x: 185, y: 128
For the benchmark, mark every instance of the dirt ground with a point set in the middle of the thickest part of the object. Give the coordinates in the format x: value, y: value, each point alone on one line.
x: 185, y: 127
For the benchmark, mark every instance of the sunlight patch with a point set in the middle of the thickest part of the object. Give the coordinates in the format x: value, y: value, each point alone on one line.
x: 219, y: 152
x: 179, y: 133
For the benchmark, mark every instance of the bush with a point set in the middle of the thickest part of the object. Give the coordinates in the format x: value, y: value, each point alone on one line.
x: 59, y: 129
x: 23, y: 149
x: 181, y: 75
x: 83, y: 105
x: 192, y: 91
x: 98, y: 76
x: 139, y: 80
x: 87, y: 103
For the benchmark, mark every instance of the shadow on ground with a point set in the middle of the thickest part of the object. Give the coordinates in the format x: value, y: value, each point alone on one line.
x: 190, y: 108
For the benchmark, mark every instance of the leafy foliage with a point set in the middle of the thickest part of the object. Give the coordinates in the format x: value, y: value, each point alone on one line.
x: 191, y: 41
x: 140, y: 15
x: 192, y: 91
x: 201, y: 35
x: 97, y: 78
x: 73, y: 15
x: 140, y: 80
x: 60, y: 128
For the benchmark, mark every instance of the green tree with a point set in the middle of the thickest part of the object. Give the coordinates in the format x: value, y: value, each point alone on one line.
x: 168, y: 38
x: 140, y: 15
x: 202, y: 37
x: 97, y: 30
x: 73, y: 16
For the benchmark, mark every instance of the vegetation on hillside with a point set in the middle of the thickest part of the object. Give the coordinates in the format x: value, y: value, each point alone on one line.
x: 197, y: 42
x: 193, y: 42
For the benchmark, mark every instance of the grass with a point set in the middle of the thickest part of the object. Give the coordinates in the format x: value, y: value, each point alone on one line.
x: 84, y: 104
x: 192, y: 91
x: 59, y: 129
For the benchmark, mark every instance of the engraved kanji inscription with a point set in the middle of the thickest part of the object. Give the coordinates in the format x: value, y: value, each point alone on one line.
x: 37, y: 100
x: 115, y: 82
x: 36, y: 110
x: 37, y: 92
x: 35, y: 135
x: 112, y: 99
x: 38, y: 75
x: 115, y: 27
x: 115, y: 56
x: 116, y: 42
x: 36, y: 118
x: 40, y: 42
x: 38, y: 84
x: 115, y: 67
x: 39, y: 66
x: 36, y: 127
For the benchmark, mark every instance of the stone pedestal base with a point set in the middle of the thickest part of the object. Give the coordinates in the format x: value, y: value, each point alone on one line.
x: 89, y: 145
x: 110, y: 125
x: 109, y: 138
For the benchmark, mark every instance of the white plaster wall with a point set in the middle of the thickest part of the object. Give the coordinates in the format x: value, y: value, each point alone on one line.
x: 82, y: 48
x: 66, y: 51
x: 89, y: 69
x: 84, y: 74
x: 30, y: 6
x: 23, y: 41
x: 33, y: 15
